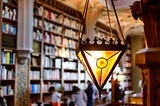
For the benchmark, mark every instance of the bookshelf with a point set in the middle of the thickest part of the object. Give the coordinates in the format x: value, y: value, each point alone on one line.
x: 128, y: 66
x: 53, y: 60
x: 103, y: 31
x: 36, y: 56
x: 8, y: 47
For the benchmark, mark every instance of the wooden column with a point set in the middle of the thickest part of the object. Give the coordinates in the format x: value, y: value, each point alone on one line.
x: 149, y: 59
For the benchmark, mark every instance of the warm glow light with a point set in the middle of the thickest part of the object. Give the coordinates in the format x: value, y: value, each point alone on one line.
x: 100, y: 59
x: 100, y: 64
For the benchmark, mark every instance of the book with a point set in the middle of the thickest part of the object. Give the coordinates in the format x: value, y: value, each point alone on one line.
x: 4, y: 73
x: 3, y: 57
x: 9, y: 74
x: 8, y: 57
x: 34, y: 61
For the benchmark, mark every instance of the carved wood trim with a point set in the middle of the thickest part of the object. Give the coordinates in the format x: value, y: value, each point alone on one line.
x: 146, y: 87
x: 151, y: 19
x: 22, y: 85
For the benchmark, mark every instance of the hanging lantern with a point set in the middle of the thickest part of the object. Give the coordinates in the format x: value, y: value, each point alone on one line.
x: 100, y: 59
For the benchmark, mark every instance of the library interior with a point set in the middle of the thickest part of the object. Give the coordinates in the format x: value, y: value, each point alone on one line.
x: 79, y: 53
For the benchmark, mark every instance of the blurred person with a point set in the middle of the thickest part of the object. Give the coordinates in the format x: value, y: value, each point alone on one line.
x: 78, y: 98
x: 2, y: 99
x: 118, y: 92
x: 55, y: 97
x: 91, y: 93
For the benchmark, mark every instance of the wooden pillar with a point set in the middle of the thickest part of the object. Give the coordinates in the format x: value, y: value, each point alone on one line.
x: 149, y: 59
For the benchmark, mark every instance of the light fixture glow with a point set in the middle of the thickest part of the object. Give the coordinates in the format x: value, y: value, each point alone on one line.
x: 100, y: 62
x: 100, y: 59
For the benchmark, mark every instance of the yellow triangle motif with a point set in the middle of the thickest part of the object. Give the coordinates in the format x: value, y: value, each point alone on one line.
x: 99, y: 64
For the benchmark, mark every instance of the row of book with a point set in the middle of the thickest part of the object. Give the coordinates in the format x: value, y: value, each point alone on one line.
x: 58, y: 62
x: 52, y: 27
x: 38, y: 9
x: 72, y: 23
x: 70, y: 65
x: 70, y: 33
x: 51, y: 62
x: 50, y: 38
x: 69, y: 53
x: 62, y: 52
x: 37, y: 23
x: 59, y: 18
x: 48, y: 62
x: 49, y: 74
x: 68, y: 86
x: 13, y: 2
x: 70, y: 76
x: 9, y: 13
x: 55, y: 28
x: 50, y: 50
x: 7, y: 90
x: 46, y: 86
x: 69, y: 43
x: 53, y: 16
x: 53, y: 39
x: 6, y: 74
x: 34, y: 74
x: 37, y: 35
x: 34, y: 88
x: 8, y: 57
x: 9, y: 29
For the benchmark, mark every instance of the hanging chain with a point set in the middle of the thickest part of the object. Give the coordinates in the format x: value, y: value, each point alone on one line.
x: 82, y: 27
x: 119, y: 26
x: 109, y: 19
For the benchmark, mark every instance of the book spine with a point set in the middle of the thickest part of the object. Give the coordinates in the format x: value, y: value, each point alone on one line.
x: 4, y: 73
x: 10, y: 74
x: 3, y: 57
x: 7, y: 57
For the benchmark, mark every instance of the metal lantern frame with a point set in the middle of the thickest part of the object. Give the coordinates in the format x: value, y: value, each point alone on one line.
x: 100, y: 57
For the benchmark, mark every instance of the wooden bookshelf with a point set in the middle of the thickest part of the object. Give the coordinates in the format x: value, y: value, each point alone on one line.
x: 36, y: 56
x: 55, y: 34
x: 8, y: 45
